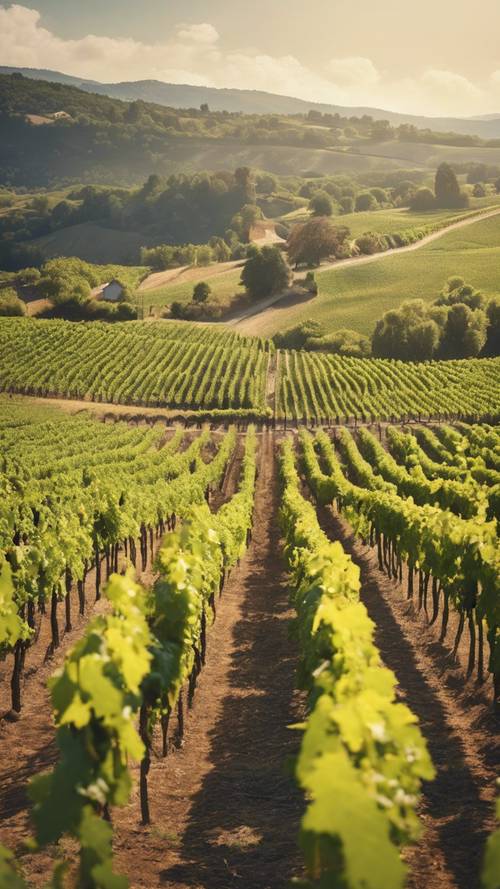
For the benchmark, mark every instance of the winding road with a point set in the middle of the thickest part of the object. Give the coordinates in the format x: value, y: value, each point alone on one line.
x: 264, y: 304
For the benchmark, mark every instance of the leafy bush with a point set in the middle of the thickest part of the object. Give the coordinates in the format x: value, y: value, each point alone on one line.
x: 423, y: 200
x: 321, y: 204
x: 370, y: 243
x: 343, y: 342
x: 10, y: 304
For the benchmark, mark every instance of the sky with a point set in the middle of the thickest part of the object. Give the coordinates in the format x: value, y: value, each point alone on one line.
x: 436, y: 57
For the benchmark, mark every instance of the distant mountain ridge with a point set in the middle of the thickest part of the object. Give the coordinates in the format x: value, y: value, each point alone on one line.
x: 176, y: 95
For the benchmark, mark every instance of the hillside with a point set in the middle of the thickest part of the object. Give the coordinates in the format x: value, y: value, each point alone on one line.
x: 257, y: 102
x: 106, y: 140
x: 357, y: 295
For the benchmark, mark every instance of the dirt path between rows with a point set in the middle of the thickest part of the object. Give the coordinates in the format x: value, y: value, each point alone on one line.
x: 462, y: 734
x: 225, y: 812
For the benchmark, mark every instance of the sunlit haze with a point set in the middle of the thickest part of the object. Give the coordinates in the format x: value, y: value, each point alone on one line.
x: 438, y: 58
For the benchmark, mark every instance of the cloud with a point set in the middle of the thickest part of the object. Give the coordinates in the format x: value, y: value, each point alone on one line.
x: 354, y: 71
x: 192, y: 54
x: 186, y: 57
x: 204, y: 33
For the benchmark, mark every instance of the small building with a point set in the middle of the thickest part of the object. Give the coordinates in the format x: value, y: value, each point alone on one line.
x: 112, y: 292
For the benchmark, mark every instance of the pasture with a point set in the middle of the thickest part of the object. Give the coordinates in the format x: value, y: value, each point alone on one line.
x: 357, y: 296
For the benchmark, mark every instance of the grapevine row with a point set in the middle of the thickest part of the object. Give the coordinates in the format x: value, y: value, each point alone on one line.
x: 362, y: 757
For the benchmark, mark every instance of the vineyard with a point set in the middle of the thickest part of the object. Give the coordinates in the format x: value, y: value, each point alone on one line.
x: 203, y: 369
x: 155, y: 573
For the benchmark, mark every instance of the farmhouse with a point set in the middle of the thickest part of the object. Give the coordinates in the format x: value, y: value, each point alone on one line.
x: 42, y: 119
x: 112, y: 292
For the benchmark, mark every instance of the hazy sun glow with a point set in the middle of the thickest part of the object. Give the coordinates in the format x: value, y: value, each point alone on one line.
x: 348, y: 54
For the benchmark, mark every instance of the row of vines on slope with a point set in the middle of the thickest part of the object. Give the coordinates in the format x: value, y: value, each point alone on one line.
x: 75, y: 492
x: 314, y: 387
x: 363, y: 757
x: 167, y: 365
x: 457, y: 560
x: 185, y: 367
x: 453, y: 546
x: 131, y: 661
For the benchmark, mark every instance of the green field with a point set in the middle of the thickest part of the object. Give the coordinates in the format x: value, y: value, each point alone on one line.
x: 357, y: 296
x: 91, y: 242
x: 393, y: 220
x: 426, y: 154
x: 223, y: 288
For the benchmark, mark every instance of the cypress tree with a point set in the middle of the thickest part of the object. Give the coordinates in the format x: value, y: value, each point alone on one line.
x: 446, y: 188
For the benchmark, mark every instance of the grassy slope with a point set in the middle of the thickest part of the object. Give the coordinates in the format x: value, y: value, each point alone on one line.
x: 393, y: 220
x: 356, y: 297
x: 223, y: 288
x: 91, y: 242
x: 427, y: 154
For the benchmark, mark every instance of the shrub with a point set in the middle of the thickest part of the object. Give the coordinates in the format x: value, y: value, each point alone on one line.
x: 370, y: 243
x: 201, y: 292
x: 365, y: 201
x: 299, y: 336
x: 343, y: 342
x: 10, y: 304
x: 321, y: 204
x: 423, y: 200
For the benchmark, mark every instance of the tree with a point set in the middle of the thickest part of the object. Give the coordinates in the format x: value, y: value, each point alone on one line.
x: 365, y: 201
x: 423, y: 200
x: 265, y: 272
x: 447, y: 189
x: 204, y: 255
x: 457, y: 291
x: 10, y: 304
x: 246, y: 184
x: 321, y: 204
x: 317, y: 239
x: 201, y: 292
x: 492, y: 346
x: 243, y: 222
x: 347, y: 204
x: 479, y: 190
x: 204, y: 107
x: 406, y: 333
x: 379, y: 194
x: 465, y: 332
x: 497, y: 186
x: 266, y: 183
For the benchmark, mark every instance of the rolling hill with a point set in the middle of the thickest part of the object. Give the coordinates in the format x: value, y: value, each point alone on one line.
x: 356, y: 296
x: 176, y: 95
